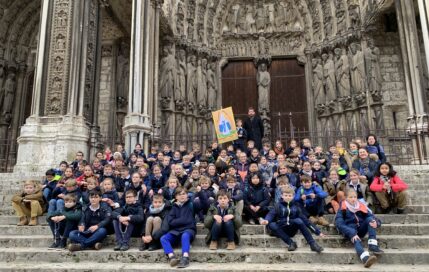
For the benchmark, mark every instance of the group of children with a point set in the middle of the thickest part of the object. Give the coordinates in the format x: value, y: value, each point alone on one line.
x: 160, y: 197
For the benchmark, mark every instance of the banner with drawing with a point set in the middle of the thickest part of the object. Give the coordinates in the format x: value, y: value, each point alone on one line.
x: 224, y: 123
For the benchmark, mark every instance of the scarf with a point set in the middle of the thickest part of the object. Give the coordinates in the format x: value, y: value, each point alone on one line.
x: 385, y: 179
x: 353, y: 208
x: 153, y: 210
x: 365, y: 166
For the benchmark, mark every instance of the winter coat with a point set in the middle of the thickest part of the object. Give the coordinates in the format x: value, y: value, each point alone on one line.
x: 134, y: 211
x: 72, y: 214
x: 181, y: 218
x: 215, y: 210
x: 37, y: 195
x: 100, y: 217
x: 256, y: 195
x: 314, y: 189
x: 396, y: 183
x: 332, y: 189
x: 348, y: 222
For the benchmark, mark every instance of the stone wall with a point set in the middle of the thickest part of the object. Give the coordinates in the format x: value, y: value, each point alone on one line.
x: 393, y: 87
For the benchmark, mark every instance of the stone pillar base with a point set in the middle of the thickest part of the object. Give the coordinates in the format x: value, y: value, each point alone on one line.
x: 46, y: 141
x: 137, y: 129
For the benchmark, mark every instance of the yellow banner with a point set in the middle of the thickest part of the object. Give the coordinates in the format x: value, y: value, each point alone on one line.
x: 224, y: 123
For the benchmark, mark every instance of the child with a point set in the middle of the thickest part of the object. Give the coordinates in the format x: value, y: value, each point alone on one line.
x: 362, y: 189
x: 62, y: 223
x: 389, y: 189
x: 92, y: 226
x: 204, y: 197
x: 110, y: 197
x: 278, y: 148
x: 179, y: 225
x: 311, y: 198
x: 156, y: 213
x: 282, y: 183
x: 156, y: 181
x: 292, y: 144
x: 92, y: 184
x: 169, y: 190
x: 57, y: 204
x: 187, y: 165
x: 123, y: 181
x: 28, y: 203
x: 235, y: 194
x: 50, y: 184
x: 240, y: 143
x: 180, y: 174
x: 223, y: 218
x: 192, y: 183
x: 354, y: 220
x: 129, y: 216
x: 374, y: 148
x: 335, y: 165
x: 287, y: 218
x: 318, y: 173
x: 266, y: 170
x: 335, y: 190
x: 256, y: 199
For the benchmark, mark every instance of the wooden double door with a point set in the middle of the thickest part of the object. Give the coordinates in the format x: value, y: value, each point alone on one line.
x: 288, y: 98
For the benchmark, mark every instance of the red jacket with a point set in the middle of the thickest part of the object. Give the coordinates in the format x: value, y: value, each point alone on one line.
x: 396, y: 184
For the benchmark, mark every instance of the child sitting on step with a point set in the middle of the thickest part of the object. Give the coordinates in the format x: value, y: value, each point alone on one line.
x: 126, y: 219
x: 286, y: 218
x: 179, y: 225
x: 354, y: 220
x: 256, y: 199
x: 28, y: 203
x: 389, y: 189
x: 62, y: 223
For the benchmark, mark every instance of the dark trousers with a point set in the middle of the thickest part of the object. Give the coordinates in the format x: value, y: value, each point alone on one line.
x: 201, y: 207
x: 262, y: 212
x: 62, y: 229
x: 315, y: 209
x: 286, y: 231
x: 88, y: 240
x: 122, y: 232
x: 224, y: 229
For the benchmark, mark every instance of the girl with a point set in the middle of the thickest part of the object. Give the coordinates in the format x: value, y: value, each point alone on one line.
x: 254, y: 155
x: 180, y: 174
x: 256, y: 199
x: 374, y: 149
x: 180, y: 225
x: 354, y: 220
x: 293, y: 143
x: 335, y: 189
x: 389, y: 189
x: 213, y: 176
x: 156, y: 181
x: 278, y: 148
x: 361, y: 188
x: 170, y: 188
x: 87, y: 173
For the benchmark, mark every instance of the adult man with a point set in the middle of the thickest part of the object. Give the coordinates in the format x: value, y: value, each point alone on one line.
x: 254, y: 127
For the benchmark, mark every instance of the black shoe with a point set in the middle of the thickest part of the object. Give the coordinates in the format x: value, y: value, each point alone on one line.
x: 125, y: 247
x: 368, y: 261
x: 400, y: 211
x: 117, y: 247
x: 143, y: 246
x: 63, y: 243
x: 292, y: 247
x: 184, y: 262
x: 375, y: 250
x: 74, y: 247
x: 154, y: 246
x: 55, y: 244
x: 173, y: 261
x: 315, y: 247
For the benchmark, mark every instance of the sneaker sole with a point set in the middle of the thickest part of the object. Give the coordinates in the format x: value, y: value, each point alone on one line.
x: 371, y: 260
x: 174, y: 262
x: 377, y: 253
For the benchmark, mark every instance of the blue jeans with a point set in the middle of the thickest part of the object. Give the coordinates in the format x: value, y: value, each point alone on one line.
x: 88, y: 240
x: 47, y: 192
x: 362, y: 230
x: 223, y: 229
x: 170, y: 239
x: 122, y: 236
x: 62, y: 229
x: 316, y: 209
x: 56, y: 205
x: 285, y: 232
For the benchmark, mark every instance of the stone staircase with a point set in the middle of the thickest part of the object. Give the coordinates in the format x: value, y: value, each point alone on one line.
x: 405, y: 239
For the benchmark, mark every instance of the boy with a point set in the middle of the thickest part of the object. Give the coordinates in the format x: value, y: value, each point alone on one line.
x: 92, y: 226
x: 50, y: 184
x: 192, y: 183
x: 256, y: 199
x: 156, y: 213
x: 204, y: 197
x: 240, y: 143
x: 223, y: 218
x: 110, y: 197
x: 286, y: 219
x: 128, y: 217
x: 28, y: 203
x: 282, y: 184
x: 235, y: 194
x: 62, y: 223
x: 187, y: 165
x: 123, y: 181
x: 311, y: 198
x: 335, y: 165
x: 57, y: 204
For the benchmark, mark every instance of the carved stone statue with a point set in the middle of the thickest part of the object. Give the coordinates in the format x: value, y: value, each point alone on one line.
x: 264, y: 83
x: 372, y: 65
x: 212, y: 86
x: 179, y: 94
x: 329, y: 76
x: 192, y: 80
x: 261, y: 17
x: 342, y: 73
x: 242, y: 19
x: 202, y: 86
x: 357, y: 68
x: 319, y: 95
x: 167, y: 69
x: 9, y: 93
x: 123, y: 73
x: 280, y: 16
x: 231, y: 22
x: 250, y: 19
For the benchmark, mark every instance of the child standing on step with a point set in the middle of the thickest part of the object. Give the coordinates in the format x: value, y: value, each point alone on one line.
x: 28, y: 203
x: 62, y: 223
x: 389, y: 189
x: 126, y: 219
x: 354, y: 220
x: 179, y: 225
x: 286, y: 218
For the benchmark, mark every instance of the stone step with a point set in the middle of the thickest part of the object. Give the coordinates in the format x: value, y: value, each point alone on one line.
x: 260, y: 240
x: 201, y: 267
x: 204, y: 255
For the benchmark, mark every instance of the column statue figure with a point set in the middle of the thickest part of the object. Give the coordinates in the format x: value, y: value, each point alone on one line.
x: 264, y: 83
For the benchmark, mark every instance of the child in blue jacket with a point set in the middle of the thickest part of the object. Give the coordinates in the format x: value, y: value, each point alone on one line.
x: 311, y: 198
x: 179, y: 225
x: 287, y: 218
x: 354, y: 220
x: 256, y: 199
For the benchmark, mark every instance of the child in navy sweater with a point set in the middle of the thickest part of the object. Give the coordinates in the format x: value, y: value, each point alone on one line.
x: 110, y: 197
x: 354, y: 220
x: 179, y: 225
x: 287, y: 218
x: 256, y: 199
x: 204, y: 197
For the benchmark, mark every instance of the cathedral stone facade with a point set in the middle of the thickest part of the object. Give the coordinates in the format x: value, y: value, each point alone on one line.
x: 82, y: 75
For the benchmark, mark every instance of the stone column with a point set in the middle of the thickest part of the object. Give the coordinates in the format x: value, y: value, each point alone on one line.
x: 64, y: 85
x: 138, y: 124
x: 309, y: 90
x: 418, y: 120
x: 424, y: 17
